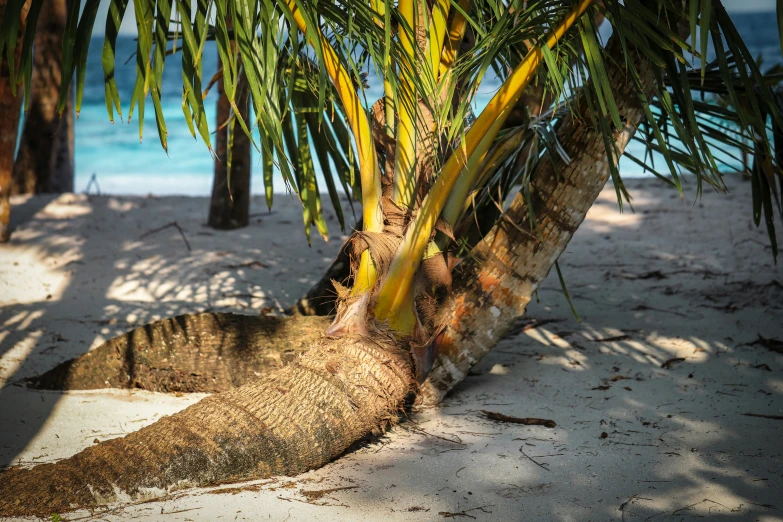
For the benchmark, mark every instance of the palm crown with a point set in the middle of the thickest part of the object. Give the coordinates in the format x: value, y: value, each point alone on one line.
x: 423, y: 165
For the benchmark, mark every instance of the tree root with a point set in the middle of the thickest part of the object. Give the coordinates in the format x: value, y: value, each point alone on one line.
x: 297, y: 418
x: 205, y: 352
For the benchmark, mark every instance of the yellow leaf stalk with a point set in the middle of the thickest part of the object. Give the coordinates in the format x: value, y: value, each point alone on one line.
x: 440, y: 16
x: 467, y: 186
x: 405, y: 154
x: 388, y: 92
x: 456, y: 33
x: 360, y: 128
x: 396, y: 287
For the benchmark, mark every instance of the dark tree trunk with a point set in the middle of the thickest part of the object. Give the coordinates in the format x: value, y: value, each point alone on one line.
x: 45, y: 160
x: 10, y: 108
x: 230, y: 204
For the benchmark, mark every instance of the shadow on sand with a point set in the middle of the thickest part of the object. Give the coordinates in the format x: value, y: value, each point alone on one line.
x: 649, y: 392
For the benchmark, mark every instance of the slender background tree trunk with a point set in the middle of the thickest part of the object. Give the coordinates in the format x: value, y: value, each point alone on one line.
x: 45, y: 160
x: 10, y: 108
x: 230, y: 204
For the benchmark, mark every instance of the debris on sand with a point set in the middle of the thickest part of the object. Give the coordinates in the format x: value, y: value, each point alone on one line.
x: 528, y: 421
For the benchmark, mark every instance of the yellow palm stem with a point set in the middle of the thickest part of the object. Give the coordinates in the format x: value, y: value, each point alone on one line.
x: 477, y: 141
x: 405, y: 155
x: 438, y: 27
x: 372, y: 215
x: 459, y: 192
x: 366, y: 274
x: 458, y: 201
x: 456, y: 33
x: 379, y: 6
x: 360, y: 128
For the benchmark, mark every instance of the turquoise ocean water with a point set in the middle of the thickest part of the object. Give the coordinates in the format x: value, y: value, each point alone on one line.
x: 123, y: 165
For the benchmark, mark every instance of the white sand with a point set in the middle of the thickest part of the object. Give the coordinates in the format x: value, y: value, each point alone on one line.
x: 675, y: 279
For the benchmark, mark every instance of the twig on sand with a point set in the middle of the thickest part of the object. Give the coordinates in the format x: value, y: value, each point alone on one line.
x: 624, y: 505
x: 448, y: 514
x: 671, y: 362
x: 527, y: 421
x: 773, y: 344
x: 529, y: 324
x: 689, y: 506
x: 164, y: 227
x: 249, y: 264
x: 416, y: 429
x: 762, y: 416
x: 178, y: 511
x: 610, y: 339
x: 317, y: 494
x: 643, y: 308
x: 543, y: 466
x: 93, y: 180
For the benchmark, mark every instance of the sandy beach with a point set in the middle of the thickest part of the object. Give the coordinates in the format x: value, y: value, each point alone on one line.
x: 665, y: 395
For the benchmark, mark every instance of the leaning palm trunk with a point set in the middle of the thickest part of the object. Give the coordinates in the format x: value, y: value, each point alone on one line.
x: 493, y: 286
x: 297, y: 418
x: 205, y: 352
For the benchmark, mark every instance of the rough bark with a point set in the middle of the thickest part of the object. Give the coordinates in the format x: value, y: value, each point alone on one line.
x: 229, y: 207
x: 10, y: 108
x: 45, y: 160
x: 493, y: 285
x: 298, y: 418
x: 206, y: 352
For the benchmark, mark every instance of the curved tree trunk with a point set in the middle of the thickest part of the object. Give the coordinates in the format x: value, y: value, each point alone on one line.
x: 298, y: 418
x: 207, y: 352
x: 45, y: 160
x: 493, y: 286
x: 229, y: 207
x: 10, y: 109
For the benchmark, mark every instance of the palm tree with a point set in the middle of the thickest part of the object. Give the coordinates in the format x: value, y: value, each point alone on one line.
x: 432, y: 177
x: 10, y: 105
x: 229, y: 206
x: 45, y: 159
